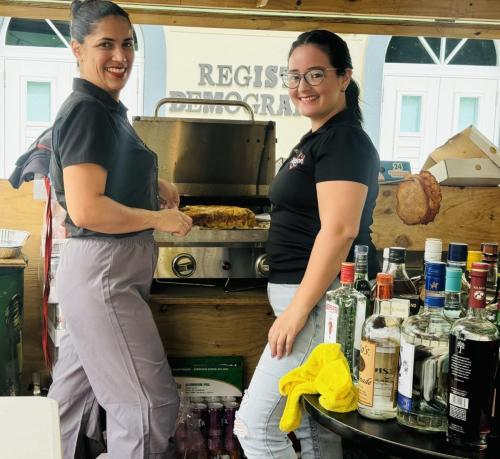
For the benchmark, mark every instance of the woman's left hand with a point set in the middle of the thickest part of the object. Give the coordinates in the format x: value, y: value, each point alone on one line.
x: 168, y: 194
x: 285, y: 329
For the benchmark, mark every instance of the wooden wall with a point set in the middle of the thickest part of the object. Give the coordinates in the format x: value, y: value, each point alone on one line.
x: 18, y: 210
x: 219, y: 325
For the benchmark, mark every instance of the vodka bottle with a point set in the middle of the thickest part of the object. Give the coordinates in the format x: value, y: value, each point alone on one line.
x: 423, y: 373
x: 457, y: 258
x: 378, y: 361
x: 345, y: 314
x: 474, y: 343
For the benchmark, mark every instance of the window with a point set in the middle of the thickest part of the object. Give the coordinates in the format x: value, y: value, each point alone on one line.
x: 448, y: 51
x: 467, y: 112
x: 38, y: 101
x: 34, y: 32
x: 411, y: 109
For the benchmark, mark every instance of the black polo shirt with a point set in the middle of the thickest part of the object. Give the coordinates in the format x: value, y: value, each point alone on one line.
x: 92, y: 127
x: 338, y: 150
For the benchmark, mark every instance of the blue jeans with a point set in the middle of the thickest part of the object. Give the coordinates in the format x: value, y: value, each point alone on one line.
x: 257, y: 421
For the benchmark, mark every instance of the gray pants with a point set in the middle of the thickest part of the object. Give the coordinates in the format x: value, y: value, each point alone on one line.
x: 112, y: 352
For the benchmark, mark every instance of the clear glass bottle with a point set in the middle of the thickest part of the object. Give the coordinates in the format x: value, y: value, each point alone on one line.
x: 457, y: 258
x: 423, y: 373
x: 490, y: 256
x: 345, y: 311
x: 433, y: 251
x: 453, y: 309
x: 474, y: 343
x: 404, y: 288
x: 378, y: 361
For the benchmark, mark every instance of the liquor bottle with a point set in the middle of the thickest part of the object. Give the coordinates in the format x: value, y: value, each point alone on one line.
x: 378, y: 361
x: 457, y: 258
x: 404, y: 288
x: 422, y: 385
x: 452, y: 294
x: 361, y: 283
x: 474, y: 343
x: 490, y: 256
x: 495, y: 418
x: 433, y: 250
x: 345, y: 312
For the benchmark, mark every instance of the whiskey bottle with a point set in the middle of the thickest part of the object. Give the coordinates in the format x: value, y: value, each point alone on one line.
x: 344, y: 317
x: 361, y: 283
x: 422, y: 385
x: 453, y: 309
x: 474, y: 343
x: 379, y: 355
x: 404, y: 288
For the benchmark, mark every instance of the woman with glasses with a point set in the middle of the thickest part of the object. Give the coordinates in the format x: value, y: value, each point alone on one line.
x: 322, y: 199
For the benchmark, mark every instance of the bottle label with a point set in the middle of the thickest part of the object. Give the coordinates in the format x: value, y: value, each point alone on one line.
x: 331, y: 322
x: 366, y: 372
x: 405, y: 382
x: 473, y: 367
x: 378, y: 374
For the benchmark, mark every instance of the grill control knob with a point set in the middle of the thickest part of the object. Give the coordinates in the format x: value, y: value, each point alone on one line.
x: 183, y: 265
x: 262, y: 266
x: 226, y: 266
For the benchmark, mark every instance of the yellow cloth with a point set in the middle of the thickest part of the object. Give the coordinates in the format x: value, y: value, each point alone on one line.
x: 325, y: 372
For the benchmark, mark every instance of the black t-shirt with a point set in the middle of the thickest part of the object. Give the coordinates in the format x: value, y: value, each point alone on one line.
x: 338, y: 150
x: 91, y: 127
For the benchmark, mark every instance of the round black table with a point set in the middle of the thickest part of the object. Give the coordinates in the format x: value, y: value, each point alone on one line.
x: 390, y: 437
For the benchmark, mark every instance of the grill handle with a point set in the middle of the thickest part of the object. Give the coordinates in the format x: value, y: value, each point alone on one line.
x: 182, y: 100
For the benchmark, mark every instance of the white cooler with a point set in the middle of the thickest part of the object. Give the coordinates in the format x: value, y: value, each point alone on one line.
x: 29, y: 428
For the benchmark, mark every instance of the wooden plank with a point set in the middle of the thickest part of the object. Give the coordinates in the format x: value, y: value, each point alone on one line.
x: 202, y: 328
x: 470, y: 215
x: 18, y: 210
x: 396, y: 25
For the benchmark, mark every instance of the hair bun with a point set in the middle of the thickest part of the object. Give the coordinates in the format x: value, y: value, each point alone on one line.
x: 77, y: 4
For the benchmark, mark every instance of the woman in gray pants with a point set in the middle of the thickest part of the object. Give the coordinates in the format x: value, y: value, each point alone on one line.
x: 106, y: 179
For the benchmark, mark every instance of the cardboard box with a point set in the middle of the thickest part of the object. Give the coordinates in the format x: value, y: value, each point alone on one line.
x: 466, y: 172
x: 393, y: 171
x: 208, y: 376
x: 468, y: 144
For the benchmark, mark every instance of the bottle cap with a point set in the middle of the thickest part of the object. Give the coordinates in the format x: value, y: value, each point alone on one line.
x: 453, y: 279
x: 489, y: 248
x: 360, y: 249
x: 457, y: 251
x: 432, y: 256
x: 385, y: 279
x: 433, y: 245
x: 347, y: 272
x: 482, y: 268
x: 434, y: 301
x: 397, y: 254
x: 472, y: 257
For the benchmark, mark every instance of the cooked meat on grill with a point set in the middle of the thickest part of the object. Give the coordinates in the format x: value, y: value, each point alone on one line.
x: 418, y: 199
x: 221, y: 217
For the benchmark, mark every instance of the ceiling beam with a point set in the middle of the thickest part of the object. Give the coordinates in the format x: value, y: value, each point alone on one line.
x: 452, y: 18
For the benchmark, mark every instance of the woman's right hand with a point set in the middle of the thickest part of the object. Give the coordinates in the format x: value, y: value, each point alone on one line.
x: 173, y: 221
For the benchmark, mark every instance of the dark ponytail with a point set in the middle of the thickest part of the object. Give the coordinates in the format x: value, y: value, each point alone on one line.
x: 338, y: 53
x: 86, y: 14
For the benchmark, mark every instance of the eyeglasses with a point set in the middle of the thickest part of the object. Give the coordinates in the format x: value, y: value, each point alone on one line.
x: 313, y: 77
